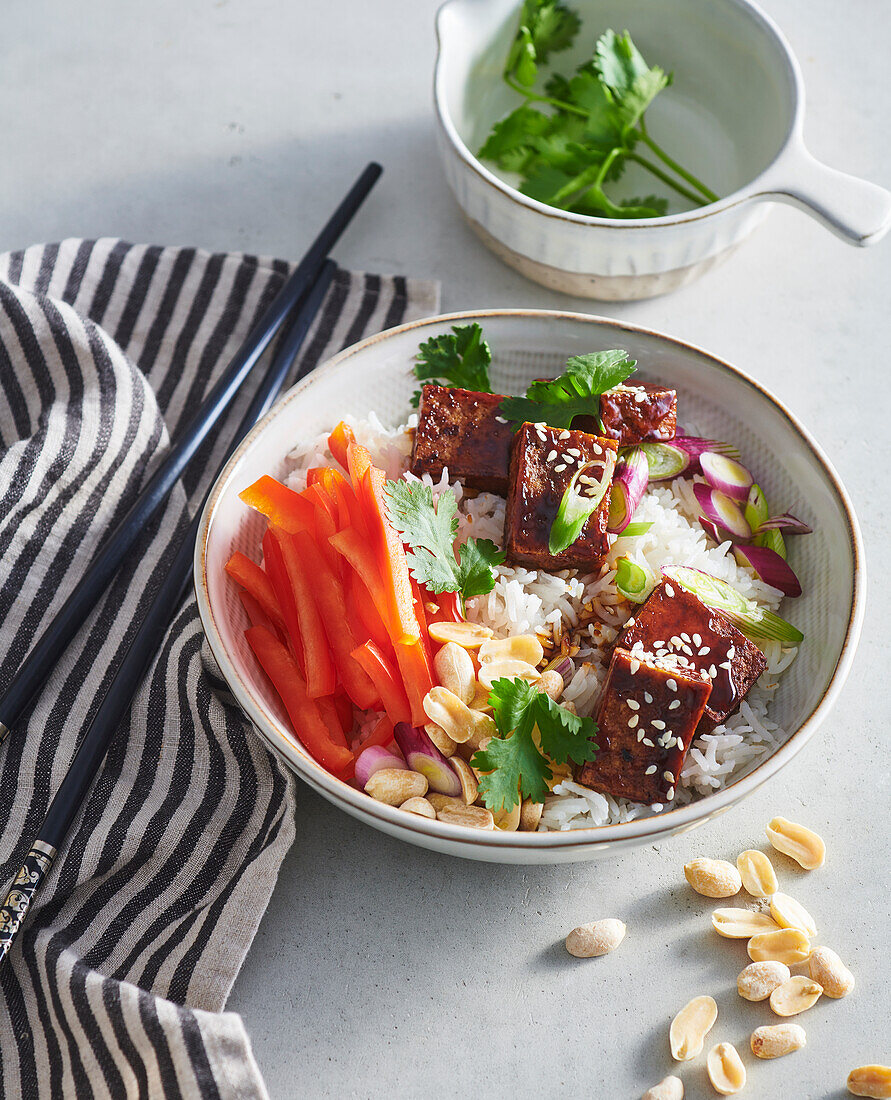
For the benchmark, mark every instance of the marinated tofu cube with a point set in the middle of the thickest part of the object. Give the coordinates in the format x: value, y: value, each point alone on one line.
x: 543, y: 462
x: 674, y: 621
x: 461, y: 429
x: 646, y: 719
x: 634, y: 414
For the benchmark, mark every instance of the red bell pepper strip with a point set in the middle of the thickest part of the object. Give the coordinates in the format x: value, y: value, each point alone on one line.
x: 344, y: 710
x: 339, y: 440
x: 283, y: 507
x: 364, y: 611
x: 386, y: 680
x: 391, y: 556
x: 417, y: 677
x: 421, y: 616
x: 317, y: 657
x: 327, y: 592
x: 278, y: 576
x: 256, y: 615
x: 358, y: 462
x: 325, y: 513
x: 282, y: 670
x: 357, y: 551
x: 255, y: 583
x: 330, y: 715
x: 448, y: 609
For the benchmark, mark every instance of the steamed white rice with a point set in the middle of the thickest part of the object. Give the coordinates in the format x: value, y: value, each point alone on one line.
x: 582, y: 614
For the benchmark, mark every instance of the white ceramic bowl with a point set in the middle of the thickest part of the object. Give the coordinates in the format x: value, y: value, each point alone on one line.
x: 720, y: 400
x: 734, y: 117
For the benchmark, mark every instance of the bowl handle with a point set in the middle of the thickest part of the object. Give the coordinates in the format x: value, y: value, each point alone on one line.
x: 857, y: 211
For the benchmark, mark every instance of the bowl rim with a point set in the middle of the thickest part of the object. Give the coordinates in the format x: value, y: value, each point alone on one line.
x: 758, y: 185
x: 636, y: 831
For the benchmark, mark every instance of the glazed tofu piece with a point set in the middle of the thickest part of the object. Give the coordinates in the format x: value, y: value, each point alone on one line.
x: 543, y: 462
x: 635, y: 414
x: 674, y: 621
x: 461, y: 429
x: 646, y: 720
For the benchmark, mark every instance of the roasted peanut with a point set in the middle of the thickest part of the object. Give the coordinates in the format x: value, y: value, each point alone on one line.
x: 530, y: 815
x: 741, y: 924
x: 589, y: 941
x: 669, y: 1088
x: 713, y: 878
x: 757, y: 873
x: 725, y: 1069
x: 777, y: 1040
x: 446, y: 710
x: 480, y: 699
x: 466, y: 635
x: 439, y: 801
x: 795, y: 995
x: 797, y: 841
x: 789, y: 913
x: 396, y: 785
x: 508, y: 821
x: 827, y: 968
x: 690, y: 1027
x: 522, y: 647
x: 420, y: 806
x: 759, y: 980
x: 441, y: 739
x: 874, y: 1081
x: 455, y: 671
x: 786, y: 945
x: 507, y: 670
x: 551, y: 683
x: 474, y: 817
x: 469, y: 788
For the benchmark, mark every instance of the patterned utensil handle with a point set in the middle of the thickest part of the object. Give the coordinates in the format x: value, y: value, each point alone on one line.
x: 25, y: 885
x: 4, y: 732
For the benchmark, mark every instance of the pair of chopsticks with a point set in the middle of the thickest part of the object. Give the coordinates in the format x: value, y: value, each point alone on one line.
x: 293, y: 309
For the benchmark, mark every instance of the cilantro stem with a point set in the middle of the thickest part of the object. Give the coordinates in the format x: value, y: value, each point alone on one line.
x: 675, y: 167
x: 558, y: 103
x: 657, y: 171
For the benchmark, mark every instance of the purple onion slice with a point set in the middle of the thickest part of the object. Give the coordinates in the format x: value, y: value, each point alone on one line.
x: 785, y: 522
x: 726, y: 475
x: 722, y: 511
x: 374, y: 759
x: 423, y: 756
x: 629, y: 485
x: 711, y: 529
x: 770, y: 567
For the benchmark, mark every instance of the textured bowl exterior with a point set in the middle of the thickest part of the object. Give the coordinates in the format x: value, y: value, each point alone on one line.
x: 715, y: 398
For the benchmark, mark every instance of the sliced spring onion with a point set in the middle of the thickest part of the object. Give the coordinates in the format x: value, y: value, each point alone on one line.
x: 635, y: 529
x: 629, y: 485
x: 755, y: 509
x: 726, y: 475
x: 752, y: 620
x: 681, y: 455
x: 722, y: 510
x: 773, y: 540
x: 563, y: 665
x: 785, y: 522
x: 633, y: 580
x: 579, y: 503
x: 770, y: 567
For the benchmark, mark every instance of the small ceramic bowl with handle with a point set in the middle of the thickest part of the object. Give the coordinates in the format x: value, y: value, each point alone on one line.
x: 734, y: 117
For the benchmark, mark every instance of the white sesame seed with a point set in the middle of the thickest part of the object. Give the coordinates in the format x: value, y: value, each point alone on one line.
x: 731, y: 653
x: 634, y: 666
x: 658, y: 724
x: 632, y: 721
x: 705, y: 651
x: 500, y: 420
x: 633, y: 703
x: 596, y: 449
x: 540, y: 424
x: 679, y: 743
x: 668, y: 777
x: 685, y: 637
x: 726, y: 665
x: 560, y: 468
x: 672, y: 685
x: 660, y: 644
x: 567, y: 458
x: 686, y: 649
x: 650, y: 770
x: 671, y: 742
x: 640, y: 398
x: 669, y: 794
x: 656, y: 807
x: 697, y: 639
x: 713, y: 672
x: 641, y: 734
x: 647, y: 741
x: 631, y: 621
x: 552, y: 454
x: 564, y: 434
x: 542, y: 436
x: 674, y: 704
x: 575, y: 452
x: 669, y: 591
x: 675, y: 641
x: 647, y: 697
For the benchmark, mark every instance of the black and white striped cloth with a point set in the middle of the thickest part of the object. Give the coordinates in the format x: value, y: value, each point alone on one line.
x: 116, y: 986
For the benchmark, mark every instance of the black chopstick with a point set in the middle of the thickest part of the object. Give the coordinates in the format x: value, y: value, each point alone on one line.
x: 49, y: 646
x: 145, y: 645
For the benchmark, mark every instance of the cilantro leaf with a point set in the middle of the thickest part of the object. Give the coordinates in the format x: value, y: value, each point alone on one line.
x: 510, y: 141
x: 430, y: 530
x: 515, y: 761
x: 575, y: 393
x: 546, y: 26
x: 462, y: 357
x: 631, y: 82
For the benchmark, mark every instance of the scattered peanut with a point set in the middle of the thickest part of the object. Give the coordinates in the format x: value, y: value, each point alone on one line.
x: 469, y: 787
x: 530, y: 815
x: 788, y: 913
x: 589, y: 941
x: 507, y: 669
x: 777, y: 1040
x: 551, y: 683
x: 741, y: 924
x: 441, y: 739
x: 795, y: 995
x: 466, y: 635
x: 802, y: 844
x: 508, y: 821
x: 420, y: 806
x: 758, y: 875
x: 725, y: 1069
x: 690, y: 1027
x: 455, y: 671
x: 474, y: 817
x: 669, y: 1088
x: 713, y: 878
x: 786, y: 945
x: 874, y: 1081
x: 395, y: 786
x: 446, y: 710
x: 480, y: 699
x: 759, y: 980
x: 439, y: 801
x: 522, y: 647
x: 828, y: 969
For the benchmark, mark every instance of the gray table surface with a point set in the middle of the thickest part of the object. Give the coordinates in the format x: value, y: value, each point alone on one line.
x: 380, y: 969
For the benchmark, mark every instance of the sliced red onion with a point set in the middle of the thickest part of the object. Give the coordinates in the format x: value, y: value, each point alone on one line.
x: 711, y: 529
x: 726, y: 474
x: 770, y: 567
x: 423, y: 756
x: 564, y: 666
x: 374, y: 759
x: 681, y: 455
x: 721, y: 510
x: 784, y: 522
x: 629, y: 485
x: 694, y: 445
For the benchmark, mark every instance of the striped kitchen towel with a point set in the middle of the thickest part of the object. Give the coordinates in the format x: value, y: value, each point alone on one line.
x: 116, y: 986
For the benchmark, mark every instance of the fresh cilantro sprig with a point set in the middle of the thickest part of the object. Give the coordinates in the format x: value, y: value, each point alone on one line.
x: 460, y: 358
x: 592, y: 122
x: 575, y: 393
x: 429, y: 530
x: 516, y: 763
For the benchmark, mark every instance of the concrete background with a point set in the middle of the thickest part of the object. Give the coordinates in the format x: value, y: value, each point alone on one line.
x: 381, y: 970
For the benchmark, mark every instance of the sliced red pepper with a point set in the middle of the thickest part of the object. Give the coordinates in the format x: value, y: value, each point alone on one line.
x: 386, y: 680
x: 421, y: 616
x: 364, y: 611
x: 281, y: 505
x: 327, y: 591
x: 417, y: 677
x: 325, y: 513
x: 447, y: 610
x: 344, y: 710
x: 359, y: 553
x: 318, y: 660
x: 282, y: 670
x: 391, y: 556
x: 278, y: 576
x: 339, y: 440
x: 330, y: 715
x: 256, y: 583
x: 256, y: 614
x: 358, y: 462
